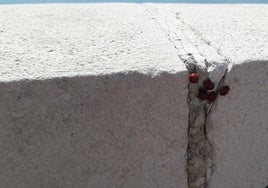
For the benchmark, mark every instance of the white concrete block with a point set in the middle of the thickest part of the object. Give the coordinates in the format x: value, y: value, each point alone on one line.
x: 95, y: 95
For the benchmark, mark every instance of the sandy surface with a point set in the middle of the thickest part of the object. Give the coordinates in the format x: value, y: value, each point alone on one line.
x: 44, y: 41
x: 63, y: 40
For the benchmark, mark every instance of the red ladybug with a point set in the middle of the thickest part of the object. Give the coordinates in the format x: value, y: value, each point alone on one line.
x: 202, y: 94
x: 208, y: 84
x: 224, y: 90
x: 193, y: 77
x: 211, y: 97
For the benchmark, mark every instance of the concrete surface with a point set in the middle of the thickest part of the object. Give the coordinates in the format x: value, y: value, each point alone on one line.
x: 238, y: 129
x: 94, y: 95
x: 94, y: 131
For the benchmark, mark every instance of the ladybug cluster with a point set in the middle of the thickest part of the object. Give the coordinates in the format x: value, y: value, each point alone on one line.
x: 205, y: 92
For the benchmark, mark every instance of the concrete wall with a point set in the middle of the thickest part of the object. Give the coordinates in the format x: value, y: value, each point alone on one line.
x: 238, y: 127
x: 122, y: 130
x: 95, y: 96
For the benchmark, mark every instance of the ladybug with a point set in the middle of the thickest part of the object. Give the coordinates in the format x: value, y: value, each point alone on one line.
x: 224, y: 90
x: 193, y: 77
x: 208, y: 84
x: 211, y: 97
x: 202, y: 94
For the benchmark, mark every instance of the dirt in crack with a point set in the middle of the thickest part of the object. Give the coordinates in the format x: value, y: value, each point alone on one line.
x: 199, y: 150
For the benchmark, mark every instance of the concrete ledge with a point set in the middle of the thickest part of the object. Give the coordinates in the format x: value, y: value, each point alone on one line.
x: 95, y: 95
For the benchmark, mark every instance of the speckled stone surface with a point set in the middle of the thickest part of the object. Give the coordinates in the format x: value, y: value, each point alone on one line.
x: 94, y: 131
x: 95, y: 95
x: 238, y: 129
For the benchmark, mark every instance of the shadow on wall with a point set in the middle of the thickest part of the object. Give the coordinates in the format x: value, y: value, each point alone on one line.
x: 121, y: 130
x: 237, y: 127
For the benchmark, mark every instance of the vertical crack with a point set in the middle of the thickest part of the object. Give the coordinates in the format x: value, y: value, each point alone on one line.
x: 200, y: 164
x: 199, y: 150
x: 201, y: 57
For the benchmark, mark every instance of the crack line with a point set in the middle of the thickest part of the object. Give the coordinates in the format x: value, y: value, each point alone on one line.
x: 192, y: 49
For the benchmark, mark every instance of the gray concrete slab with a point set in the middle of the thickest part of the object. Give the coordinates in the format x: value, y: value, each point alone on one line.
x: 238, y: 129
x: 126, y: 130
x: 95, y: 95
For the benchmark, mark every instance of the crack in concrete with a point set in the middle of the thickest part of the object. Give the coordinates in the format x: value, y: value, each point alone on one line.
x: 199, y: 150
x: 189, y: 45
x: 200, y: 164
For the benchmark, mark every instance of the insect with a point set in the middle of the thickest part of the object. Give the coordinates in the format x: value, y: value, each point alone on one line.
x: 193, y: 77
x: 211, y: 97
x: 202, y: 94
x: 224, y: 90
x: 208, y: 84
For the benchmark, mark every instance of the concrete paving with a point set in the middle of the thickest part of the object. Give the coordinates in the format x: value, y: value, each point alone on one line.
x: 95, y: 95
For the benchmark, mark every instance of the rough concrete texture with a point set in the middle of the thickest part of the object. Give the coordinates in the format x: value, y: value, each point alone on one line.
x: 238, y: 129
x: 104, y: 131
x: 95, y: 95
x: 199, y: 150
